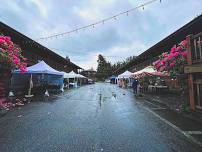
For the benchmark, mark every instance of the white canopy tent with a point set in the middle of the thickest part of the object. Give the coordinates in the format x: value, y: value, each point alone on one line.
x: 148, y: 69
x: 125, y: 75
x: 70, y: 75
x: 80, y: 76
x: 73, y: 75
x: 41, y: 67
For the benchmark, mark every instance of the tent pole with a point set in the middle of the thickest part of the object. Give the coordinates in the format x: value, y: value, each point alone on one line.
x: 68, y: 83
x: 30, y: 88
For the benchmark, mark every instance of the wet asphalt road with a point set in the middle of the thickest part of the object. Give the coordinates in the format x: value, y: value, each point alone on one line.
x: 99, y: 117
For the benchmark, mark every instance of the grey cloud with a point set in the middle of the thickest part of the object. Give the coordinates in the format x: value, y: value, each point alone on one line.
x: 140, y: 30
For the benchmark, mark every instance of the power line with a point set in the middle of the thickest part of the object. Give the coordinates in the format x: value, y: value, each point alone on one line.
x: 114, y: 17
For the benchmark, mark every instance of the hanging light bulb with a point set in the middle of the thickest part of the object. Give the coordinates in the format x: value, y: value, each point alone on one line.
x: 143, y: 7
x: 127, y: 13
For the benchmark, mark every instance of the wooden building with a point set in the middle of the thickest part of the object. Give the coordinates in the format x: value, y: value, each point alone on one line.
x: 150, y: 55
x: 34, y: 51
x: 90, y: 73
x: 194, y: 70
x: 192, y: 31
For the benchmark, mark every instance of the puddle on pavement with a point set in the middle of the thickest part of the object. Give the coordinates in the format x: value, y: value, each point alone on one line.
x: 100, y: 99
x: 114, y: 95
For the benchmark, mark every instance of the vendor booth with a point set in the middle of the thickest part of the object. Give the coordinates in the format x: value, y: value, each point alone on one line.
x: 81, y: 79
x: 113, y: 80
x: 39, y: 78
x: 70, y: 79
x: 149, y: 69
x: 151, y: 80
x: 125, y: 79
x: 73, y: 79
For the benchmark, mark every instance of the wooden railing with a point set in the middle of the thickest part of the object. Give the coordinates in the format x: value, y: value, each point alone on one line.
x: 196, y: 48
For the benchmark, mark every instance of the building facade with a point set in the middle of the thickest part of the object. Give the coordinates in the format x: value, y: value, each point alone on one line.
x: 194, y: 70
x: 150, y: 55
x: 90, y: 73
x: 35, y: 52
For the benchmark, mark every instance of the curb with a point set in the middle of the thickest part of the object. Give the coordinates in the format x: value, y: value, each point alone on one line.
x: 189, y: 137
x: 182, y: 113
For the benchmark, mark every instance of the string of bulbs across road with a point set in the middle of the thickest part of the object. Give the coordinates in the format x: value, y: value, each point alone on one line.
x: 103, y: 21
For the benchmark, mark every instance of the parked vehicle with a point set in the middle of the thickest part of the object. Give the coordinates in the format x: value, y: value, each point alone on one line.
x: 90, y: 81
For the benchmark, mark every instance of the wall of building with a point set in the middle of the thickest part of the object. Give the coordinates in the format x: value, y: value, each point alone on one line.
x: 35, y: 52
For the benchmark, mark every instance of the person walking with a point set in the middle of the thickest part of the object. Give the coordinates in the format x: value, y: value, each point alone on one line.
x: 134, y: 86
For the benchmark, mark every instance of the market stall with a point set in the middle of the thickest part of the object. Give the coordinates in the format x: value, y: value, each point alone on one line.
x: 70, y: 79
x: 125, y: 79
x: 151, y: 80
x: 41, y: 76
x: 113, y: 79
x: 149, y: 69
x: 73, y: 79
x: 81, y: 79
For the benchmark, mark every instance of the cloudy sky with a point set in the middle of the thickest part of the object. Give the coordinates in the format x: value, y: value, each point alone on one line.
x: 116, y: 39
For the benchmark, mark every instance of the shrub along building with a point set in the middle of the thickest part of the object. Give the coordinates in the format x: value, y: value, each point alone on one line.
x: 191, y: 32
x: 35, y: 52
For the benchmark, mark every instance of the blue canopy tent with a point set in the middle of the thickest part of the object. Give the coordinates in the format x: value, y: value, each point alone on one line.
x: 113, y: 79
x: 43, y: 77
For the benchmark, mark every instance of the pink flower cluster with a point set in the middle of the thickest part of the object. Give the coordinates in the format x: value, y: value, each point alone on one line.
x: 173, y: 60
x: 12, y: 54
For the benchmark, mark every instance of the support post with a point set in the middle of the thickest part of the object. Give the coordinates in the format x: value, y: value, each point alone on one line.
x: 190, y: 75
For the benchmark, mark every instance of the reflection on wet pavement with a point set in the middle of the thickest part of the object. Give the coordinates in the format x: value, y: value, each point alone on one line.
x: 98, y: 117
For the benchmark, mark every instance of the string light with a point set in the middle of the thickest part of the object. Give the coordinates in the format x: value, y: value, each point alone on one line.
x: 114, y: 17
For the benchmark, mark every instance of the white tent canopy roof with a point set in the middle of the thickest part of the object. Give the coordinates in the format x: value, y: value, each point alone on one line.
x: 126, y: 74
x: 80, y: 76
x: 149, y: 69
x: 72, y: 74
x: 41, y: 67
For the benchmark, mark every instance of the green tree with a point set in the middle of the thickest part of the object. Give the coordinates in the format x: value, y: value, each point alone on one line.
x: 104, y: 69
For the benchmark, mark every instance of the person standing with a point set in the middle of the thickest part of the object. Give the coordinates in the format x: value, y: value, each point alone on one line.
x: 134, y: 86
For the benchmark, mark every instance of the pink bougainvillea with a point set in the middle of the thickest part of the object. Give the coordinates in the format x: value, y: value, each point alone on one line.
x: 11, y: 55
x: 172, y: 61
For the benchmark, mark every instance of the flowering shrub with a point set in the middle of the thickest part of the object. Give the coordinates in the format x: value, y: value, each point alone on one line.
x: 173, y: 61
x: 10, y: 55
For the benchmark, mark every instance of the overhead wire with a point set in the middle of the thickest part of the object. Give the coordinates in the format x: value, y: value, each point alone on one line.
x: 102, y: 21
